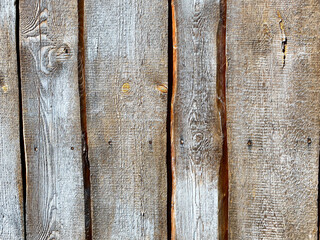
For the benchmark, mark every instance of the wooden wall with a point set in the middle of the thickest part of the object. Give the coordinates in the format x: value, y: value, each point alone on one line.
x: 134, y: 119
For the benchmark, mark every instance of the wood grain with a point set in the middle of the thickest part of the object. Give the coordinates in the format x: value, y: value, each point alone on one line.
x: 273, y: 118
x: 11, y: 193
x: 51, y: 119
x: 126, y: 84
x: 196, y: 127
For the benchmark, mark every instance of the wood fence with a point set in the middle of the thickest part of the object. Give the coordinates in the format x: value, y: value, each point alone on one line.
x: 181, y: 119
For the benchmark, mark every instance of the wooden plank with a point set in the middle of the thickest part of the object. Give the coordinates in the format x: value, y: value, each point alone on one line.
x: 196, y: 129
x: 273, y: 118
x: 51, y: 118
x: 11, y: 193
x: 126, y: 85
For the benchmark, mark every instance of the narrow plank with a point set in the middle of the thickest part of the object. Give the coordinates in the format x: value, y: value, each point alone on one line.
x: 273, y: 118
x: 196, y: 127
x: 11, y: 193
x: 51, y: 119
x: 126, y: 84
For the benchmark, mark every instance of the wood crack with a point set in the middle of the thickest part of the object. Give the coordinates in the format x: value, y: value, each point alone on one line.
x: 83, y: 112
x: 284, y: 40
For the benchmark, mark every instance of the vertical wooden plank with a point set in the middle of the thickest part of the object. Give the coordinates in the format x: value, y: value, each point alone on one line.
x: 196, y: 127
x: 273, y: 118
x: 51, y: 118
x: 11, y: 195
x: 126, y: 86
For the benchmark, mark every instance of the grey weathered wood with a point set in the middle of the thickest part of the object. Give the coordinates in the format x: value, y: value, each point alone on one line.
x: 126, y: 86
x: 51, y: 119
x: 273, y: 118
x: 196, y: 128
x: 11, y: 195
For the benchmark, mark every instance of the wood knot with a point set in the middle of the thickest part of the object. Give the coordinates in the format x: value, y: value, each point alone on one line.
x: 198, y: 137
x: 162, y: 88
x: 63, y: 53
x: 51, y: 57
x: 5, y: 88
x: 126, y: 88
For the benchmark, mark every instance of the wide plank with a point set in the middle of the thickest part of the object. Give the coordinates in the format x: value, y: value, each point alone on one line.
x: 273, y: 111
x: 126, y: 78
x: 11, y: 193
x: 196, y: 123
x: 51, y: 119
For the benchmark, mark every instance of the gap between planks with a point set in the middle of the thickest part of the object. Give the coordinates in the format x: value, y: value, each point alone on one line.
x: 22, y: 145
x: 169, y: 117
x: 223, y: 181
x: 83, y: 112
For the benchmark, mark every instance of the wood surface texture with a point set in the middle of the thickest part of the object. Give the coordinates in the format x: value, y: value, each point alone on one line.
x: 84, y: 128
x: 196, y: 127
x: 11, y: 192
x: 273, y: 54
x: 51, y: 119
x: 126, y: 78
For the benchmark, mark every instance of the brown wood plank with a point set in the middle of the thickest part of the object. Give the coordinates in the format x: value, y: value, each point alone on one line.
x: 196, y: 124
x: 126, y: 85
x: 11, y: 193
x: 273, y: 118
x: 51, y: 118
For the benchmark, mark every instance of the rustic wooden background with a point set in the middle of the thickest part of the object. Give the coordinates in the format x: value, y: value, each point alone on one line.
x: 181, y: 119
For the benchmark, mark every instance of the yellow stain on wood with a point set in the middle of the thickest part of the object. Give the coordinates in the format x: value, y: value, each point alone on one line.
x: 126, y: 88
x: 162, y: 88
x: 5, y: 88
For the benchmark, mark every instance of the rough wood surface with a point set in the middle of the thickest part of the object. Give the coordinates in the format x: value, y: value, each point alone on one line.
x: 126, y: 85
x: 196, y: 130
x: 51, y: 119
x: 273, y: 118
x: 11, y: 195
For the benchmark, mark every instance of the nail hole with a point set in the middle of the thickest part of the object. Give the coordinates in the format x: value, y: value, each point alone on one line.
x: 109, y: 142
x: 181, y: 141
x: 36, y: 149
x: 309, y: 141
x: 150, y: 142
x: 72, y: 148
x: 249, y: 143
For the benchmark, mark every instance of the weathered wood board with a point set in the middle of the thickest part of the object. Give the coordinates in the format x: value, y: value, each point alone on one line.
x: 51, y: 119
x: 196, y: 128
x: 273, y: 118
x: 11, y: 193
x: 126, y: 78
